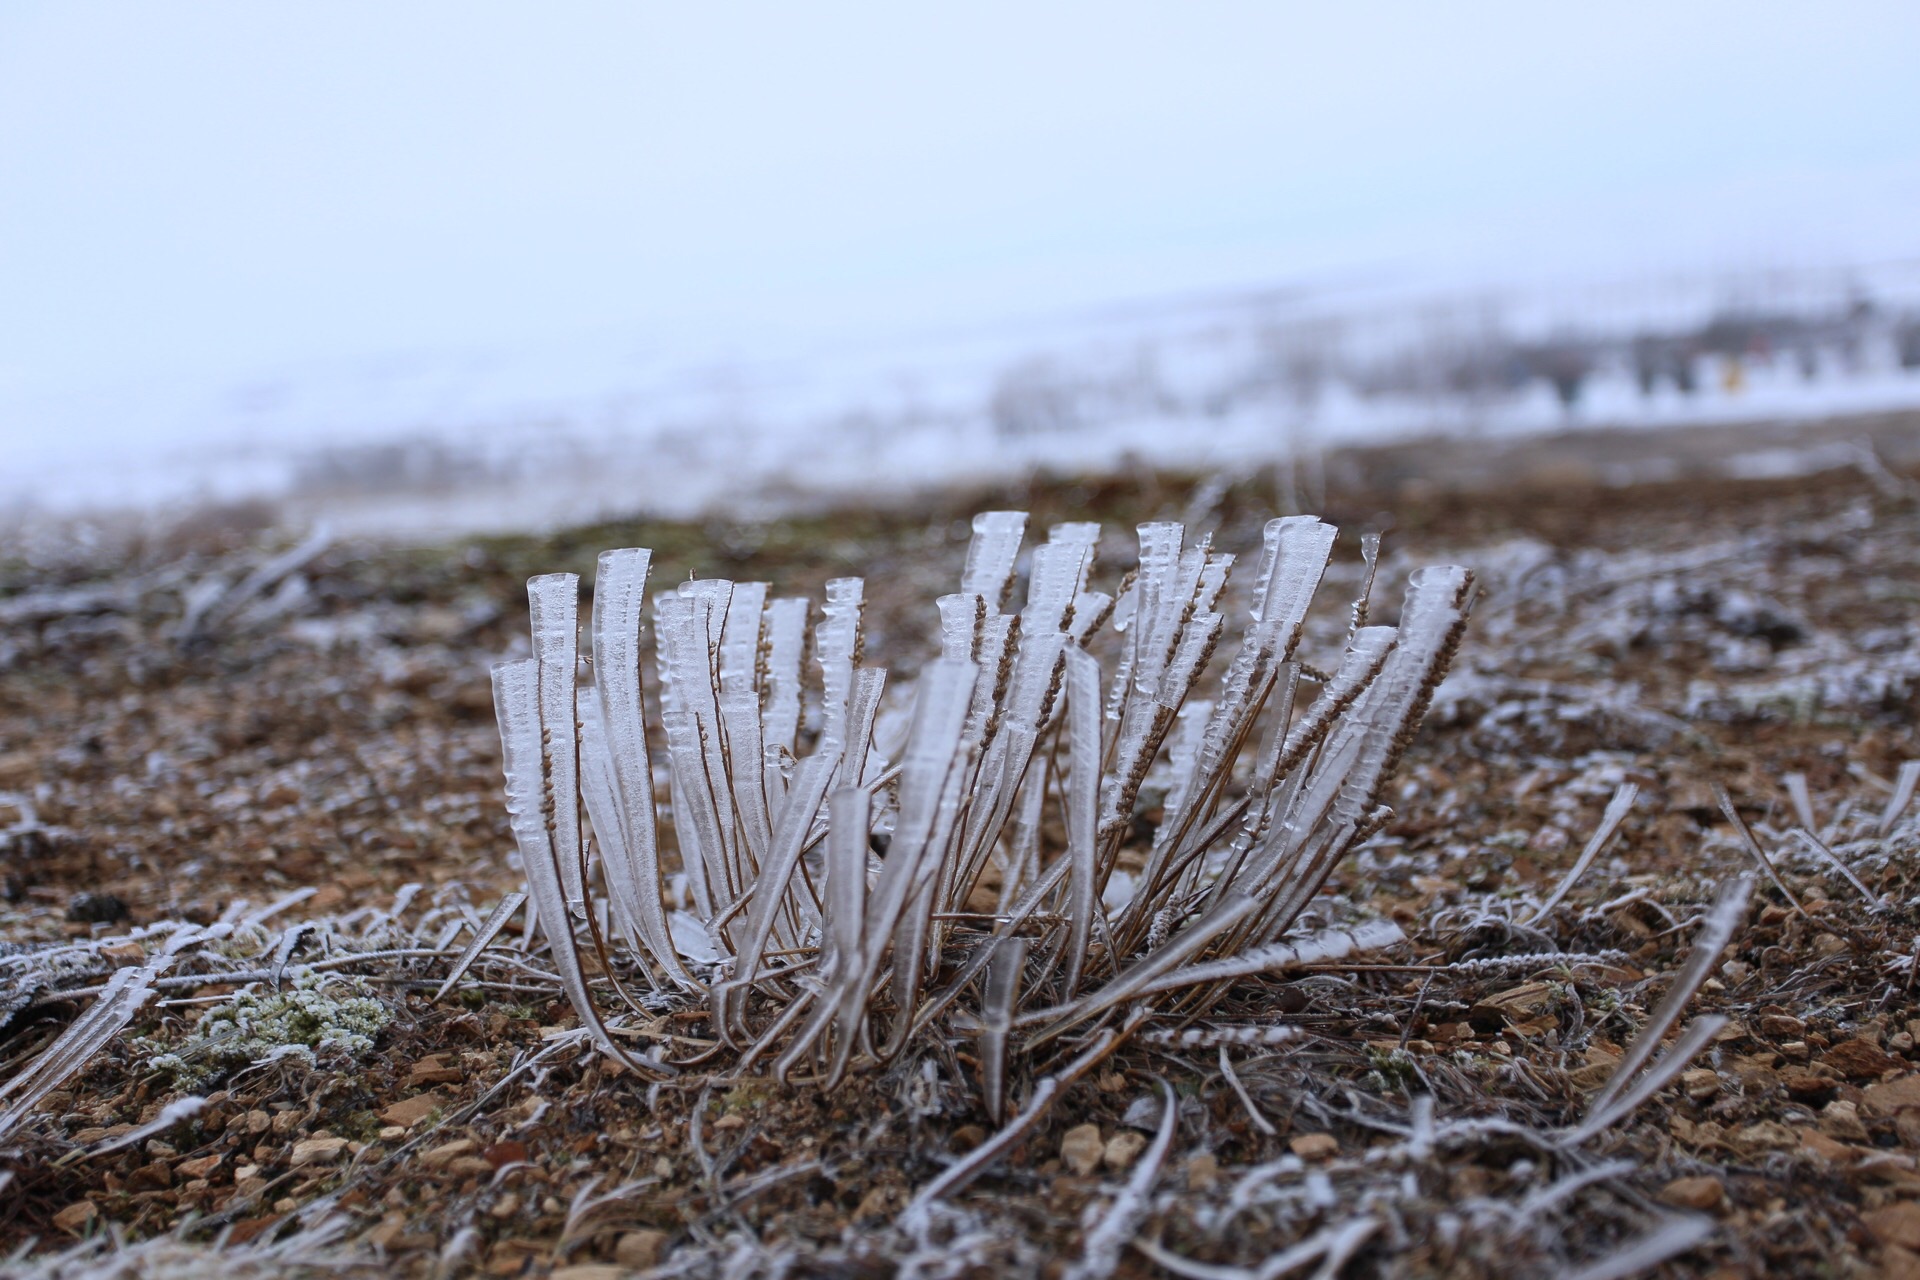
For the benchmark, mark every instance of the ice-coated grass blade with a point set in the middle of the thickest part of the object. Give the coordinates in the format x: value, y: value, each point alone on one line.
x: 1729, y: 910
x: 1616, y: 813
x: 489, y: 930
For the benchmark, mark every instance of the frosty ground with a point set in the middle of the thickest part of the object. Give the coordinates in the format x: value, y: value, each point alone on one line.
x: 308, y: 755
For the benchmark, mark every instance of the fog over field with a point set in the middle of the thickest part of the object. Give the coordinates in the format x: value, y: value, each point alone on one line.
x: 651, y: 259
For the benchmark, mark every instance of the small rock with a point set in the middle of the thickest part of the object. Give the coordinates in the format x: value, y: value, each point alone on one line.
x: 201, y: 1168
x: 1202, y: 1172
x: 409, y: 1112
x: 1860, y: 1059
x: 76, y: 1217
x: 1767, y: 1135
x: 1123, y: 1149
x: 1516, y: 1004
x: 1591, y: 1077
x: 434, y: 1069
x: 318, y: 1151
x: 641, y: 1249
x: 1842, y: 1120
x: 1780, y: 1026
x: 879, y: 1202
x: 1826, y: 944
x: 1892, y: 1096
x: 1315, y: 1146
x: 446, y: 1153
x: 1829, y: 1149
x: 150, y: 1177
x: 733, y: 1120
x: 1081, y: 1149
x: 505, y: 1207
x: 1702, y: 1193
x: 469, y: 1167
x: 1808, y: 1086
x: 1700, y: 1083
x: 124, y: 954
x: 392, y: 1132
x: 502, y: 1154
x: 1897, y: 1224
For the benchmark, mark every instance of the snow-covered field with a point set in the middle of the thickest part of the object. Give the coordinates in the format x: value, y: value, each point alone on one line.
x: 675, y: 425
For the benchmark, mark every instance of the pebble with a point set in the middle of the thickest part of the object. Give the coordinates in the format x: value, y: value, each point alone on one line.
x: 411, y: 1111
x: 318, y: 1150
x: 1315, y: 1146
x: 1123, y: 1149
x: 1701, y: 1193
x: 76, y: 1217
x: 446, y: 1153
x: 1700, y: 1083
x: 641, y: 1249
x: 1081, y: 1149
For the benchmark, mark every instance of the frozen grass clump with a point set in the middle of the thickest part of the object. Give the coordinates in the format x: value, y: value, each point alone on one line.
x: 315, y: 1014
x: 1010, y: 879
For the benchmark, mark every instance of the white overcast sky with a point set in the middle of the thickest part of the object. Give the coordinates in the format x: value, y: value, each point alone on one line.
x: 215, y: 187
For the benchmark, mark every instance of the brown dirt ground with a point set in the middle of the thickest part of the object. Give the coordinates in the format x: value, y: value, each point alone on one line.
x: 1676, y: 634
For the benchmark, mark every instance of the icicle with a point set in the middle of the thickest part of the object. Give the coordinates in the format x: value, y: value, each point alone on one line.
x: 990, y: 556
x: 1366, y: 746
x: 740, y: 711
x: 554, y: 601
x: 1370, y: 557
x: 1083, y: 797
x: 786, y: 632
x: 996, y: 658
x: 960, y: 619
x: 1058, y: 575
x: 1277, y: 957
x: 940, y: 708
x: 837, y: 648
x: 770, y: 889
x: 1183, y: 749
x: 601, y: 792
x: 1004, y: 973
x: 703, y: 804
x: 619, y: 597
x: 528, y: 762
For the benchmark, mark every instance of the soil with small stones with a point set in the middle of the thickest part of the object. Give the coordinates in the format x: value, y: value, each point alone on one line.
x: 1680, y: 637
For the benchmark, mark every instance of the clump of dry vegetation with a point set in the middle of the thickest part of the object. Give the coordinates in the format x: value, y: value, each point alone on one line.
x: 1652, y: 859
